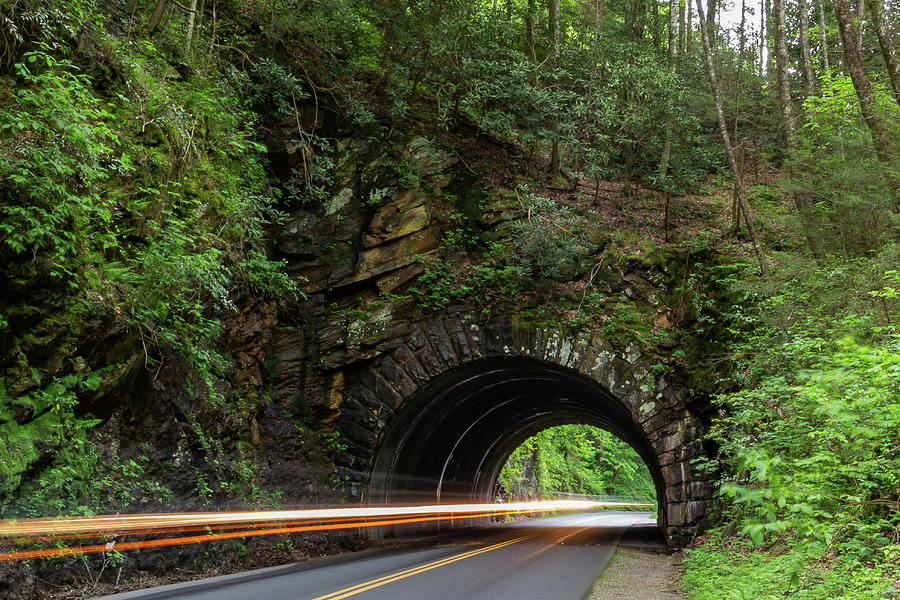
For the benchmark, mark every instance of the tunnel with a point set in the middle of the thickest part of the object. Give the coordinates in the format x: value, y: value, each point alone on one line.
x: 449, y: 440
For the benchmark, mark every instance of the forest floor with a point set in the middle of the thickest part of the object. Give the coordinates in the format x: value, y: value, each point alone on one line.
x: 640, y: 575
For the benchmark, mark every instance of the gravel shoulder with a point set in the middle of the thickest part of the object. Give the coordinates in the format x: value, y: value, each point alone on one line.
x: 637, y: 575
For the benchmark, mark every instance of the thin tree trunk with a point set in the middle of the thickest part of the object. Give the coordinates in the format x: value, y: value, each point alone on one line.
x: 726, y: 140
x: 554, y: 45
x: 861, y: 82
x: 808, y: 76
x: 888, y: 50
x: 770, y: 50
x: 689, y: 32
x: 156, y: 17
x: 762, y: 37
x: 553, y: 14
x: 667, y: 142
x: 782, y: 66
x: 634, y: 28
x: 201, y: 8
x: 655, y: 4
x: 824, y: 35
x: 682, y: 47
x: 189, y: 28
x: 673, y: 33
x: 599, y: 6
x: 861, y: 18
x: 711, y: 9
x: 742, y: 38
x: 529, y: 40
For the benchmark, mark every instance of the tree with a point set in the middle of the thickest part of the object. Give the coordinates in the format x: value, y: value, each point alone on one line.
x: 711, y: 9
x: 823, y: 34
x: 888, y: 51
x: 689, y: 32
x: 861, y: 83
x: 673, y: 57
x: 782, y: 68
x: 742, y: 39
x: 554, y: 45
x: 763, y: 36
x: 808, y: 77
x: 156, y: 17
x: 726, y: 141
x: 599, y: 6
x: 529, y: 40
x: 770, y: 39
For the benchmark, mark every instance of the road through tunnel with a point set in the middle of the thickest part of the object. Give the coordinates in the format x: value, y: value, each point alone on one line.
x: 434, y: 419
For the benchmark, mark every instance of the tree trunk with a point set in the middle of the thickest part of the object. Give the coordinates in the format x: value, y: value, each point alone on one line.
x: 739, y: 79
x: 682, y: 47
x: 726, y: 140
x: 824, y: 35
x: 673, y: 57
x: 762, y: 37
x: 711, y: 9
x: 808, y: 76
x: 770, y: 50
x: 554, y: 31
x: 888, y: 50
x: 673, y: 33
x: 689, y: 31
x: 861, y: 18
x: 634, y: 30
x: 529, y: 40
x: 554, y: 53
x: 201, y: 9
x: 634, y: 19
x: 599, y: 6
x: 782, y: 66
x: 189, y: 27
x: 861, y: 82
x: 156, y: 17
x: 553, y: 18
x: 655, y: 32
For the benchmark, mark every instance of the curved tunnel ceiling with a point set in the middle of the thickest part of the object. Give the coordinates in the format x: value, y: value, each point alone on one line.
x: 448, y: 443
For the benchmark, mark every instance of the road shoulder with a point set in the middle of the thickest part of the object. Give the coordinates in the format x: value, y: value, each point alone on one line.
x: 639, y: 575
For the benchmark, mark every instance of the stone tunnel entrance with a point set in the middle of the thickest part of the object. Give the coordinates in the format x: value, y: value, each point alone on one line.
x: 433, y: 417
x: 450, y: 441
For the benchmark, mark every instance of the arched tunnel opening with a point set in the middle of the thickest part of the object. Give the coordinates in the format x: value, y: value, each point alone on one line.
x: 450, y: 440
x: 577, y: 462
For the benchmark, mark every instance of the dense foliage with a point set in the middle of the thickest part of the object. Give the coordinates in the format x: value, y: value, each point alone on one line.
x: 576, y: 459
x: 129, y: 190
x: 809, y: 442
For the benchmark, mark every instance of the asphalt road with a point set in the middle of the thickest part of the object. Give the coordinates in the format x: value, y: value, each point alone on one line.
x: 555, y: 558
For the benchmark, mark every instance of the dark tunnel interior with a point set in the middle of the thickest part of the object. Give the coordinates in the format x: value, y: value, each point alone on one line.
x: 449, y: 441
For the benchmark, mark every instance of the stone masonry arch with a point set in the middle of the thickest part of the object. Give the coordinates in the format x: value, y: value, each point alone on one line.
x: 443, y: 402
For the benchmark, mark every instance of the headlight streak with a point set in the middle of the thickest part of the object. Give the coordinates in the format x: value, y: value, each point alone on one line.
x: 247, y: 524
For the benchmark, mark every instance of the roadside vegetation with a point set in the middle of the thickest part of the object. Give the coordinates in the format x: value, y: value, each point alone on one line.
x: 578, y: 460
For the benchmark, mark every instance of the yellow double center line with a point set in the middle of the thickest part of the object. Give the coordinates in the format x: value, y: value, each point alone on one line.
x: 368, y: 585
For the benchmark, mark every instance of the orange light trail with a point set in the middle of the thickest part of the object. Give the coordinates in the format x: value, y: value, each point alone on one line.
x: 259, y: 523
